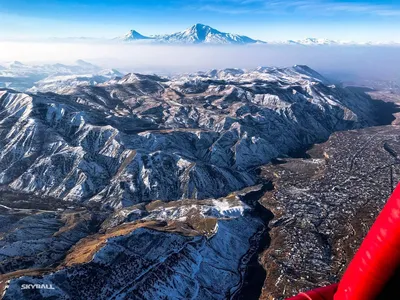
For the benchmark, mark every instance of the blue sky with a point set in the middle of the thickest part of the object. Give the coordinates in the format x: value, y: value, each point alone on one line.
x: 359, y: 20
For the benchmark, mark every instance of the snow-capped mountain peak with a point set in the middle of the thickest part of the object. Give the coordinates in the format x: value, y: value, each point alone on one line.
x: 205, y: 34
x: 196, y: 34
x: 311, y: 41
x: 317, y: 41
x: 200, y: 33
x: 133, y: 35
x: 15, y: 64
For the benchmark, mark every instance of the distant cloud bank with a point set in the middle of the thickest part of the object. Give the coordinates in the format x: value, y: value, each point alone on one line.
x: 165, y: 59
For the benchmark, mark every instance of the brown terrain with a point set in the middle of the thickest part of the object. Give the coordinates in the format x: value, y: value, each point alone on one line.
x: 84, y: 250
x: 324, y: 205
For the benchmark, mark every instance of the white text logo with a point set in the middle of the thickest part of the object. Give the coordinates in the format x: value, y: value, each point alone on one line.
x: 37, y: 286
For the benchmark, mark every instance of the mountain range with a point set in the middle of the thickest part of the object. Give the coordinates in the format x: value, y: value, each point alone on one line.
x: 52, y: 77
x: 119, y: 142
x: 161, y: 186
x: 196, y: 34
x: 204, y: 34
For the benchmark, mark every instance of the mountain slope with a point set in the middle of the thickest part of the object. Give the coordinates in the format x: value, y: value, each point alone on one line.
x: 144, y: 137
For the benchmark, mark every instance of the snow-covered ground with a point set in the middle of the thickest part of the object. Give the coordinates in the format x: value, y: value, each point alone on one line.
x: 52, y: 77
